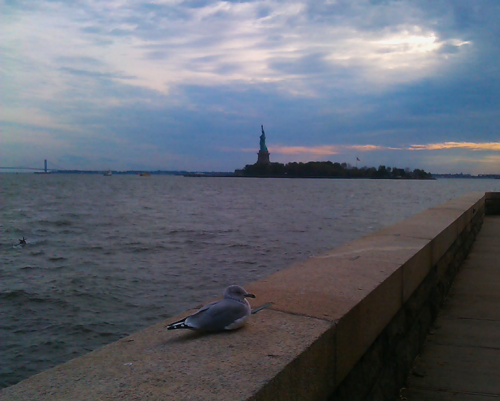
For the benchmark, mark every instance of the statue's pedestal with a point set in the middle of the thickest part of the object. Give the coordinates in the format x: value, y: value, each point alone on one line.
x: 263, y: 157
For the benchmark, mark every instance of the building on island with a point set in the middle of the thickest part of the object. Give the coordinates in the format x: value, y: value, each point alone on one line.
x: 263, y: 155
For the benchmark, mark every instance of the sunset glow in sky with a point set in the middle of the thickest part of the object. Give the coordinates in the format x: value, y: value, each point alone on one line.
x: 173, y: 85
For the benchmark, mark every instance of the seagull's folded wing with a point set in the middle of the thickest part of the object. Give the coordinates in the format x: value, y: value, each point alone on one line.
x: 218, y: 315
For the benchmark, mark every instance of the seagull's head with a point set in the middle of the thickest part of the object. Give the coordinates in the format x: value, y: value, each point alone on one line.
x: 237, y: 292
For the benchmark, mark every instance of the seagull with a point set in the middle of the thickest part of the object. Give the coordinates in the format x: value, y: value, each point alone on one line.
x: 229, y: 313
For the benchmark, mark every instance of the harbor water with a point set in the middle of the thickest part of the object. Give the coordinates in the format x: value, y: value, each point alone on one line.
x: 108, y: 256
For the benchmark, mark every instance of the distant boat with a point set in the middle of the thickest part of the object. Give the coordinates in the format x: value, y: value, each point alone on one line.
x: 145, y: 175
x: 108, y: 173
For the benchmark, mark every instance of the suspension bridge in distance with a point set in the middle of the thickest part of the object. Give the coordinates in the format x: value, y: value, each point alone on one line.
x: 41, y: 170
x: 53, y: 168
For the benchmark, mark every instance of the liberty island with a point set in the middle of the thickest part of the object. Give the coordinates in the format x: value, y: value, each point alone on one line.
x: 324, y: 169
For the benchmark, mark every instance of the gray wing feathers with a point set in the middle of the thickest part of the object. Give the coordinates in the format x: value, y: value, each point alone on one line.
x: 218, y: 315
x: 183, y: 324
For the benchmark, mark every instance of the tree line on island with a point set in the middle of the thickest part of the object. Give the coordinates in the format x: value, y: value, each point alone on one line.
x: 330, y: 170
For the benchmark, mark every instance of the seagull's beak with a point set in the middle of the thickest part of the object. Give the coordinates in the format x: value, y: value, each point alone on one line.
x: 249, y: 296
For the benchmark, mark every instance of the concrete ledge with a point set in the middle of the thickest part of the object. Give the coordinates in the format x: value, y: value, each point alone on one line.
x: 158, y: 365
x: 382, y: 370
x: 331, y: 316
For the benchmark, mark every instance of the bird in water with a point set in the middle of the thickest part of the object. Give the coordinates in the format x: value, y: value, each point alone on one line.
x: 22, y: 241
x: 229, y: 313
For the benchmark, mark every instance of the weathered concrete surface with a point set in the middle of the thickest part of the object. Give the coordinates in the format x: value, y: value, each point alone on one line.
x: 461, y: 359
x: 356, y: 285
x: 180, y: 365
x: 441, y: 225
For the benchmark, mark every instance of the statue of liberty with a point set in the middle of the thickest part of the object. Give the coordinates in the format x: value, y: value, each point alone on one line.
x: 263, y: 147
x: 263, y: 155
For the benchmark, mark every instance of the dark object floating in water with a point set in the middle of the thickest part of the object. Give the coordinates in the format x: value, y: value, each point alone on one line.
x: 22, y: 241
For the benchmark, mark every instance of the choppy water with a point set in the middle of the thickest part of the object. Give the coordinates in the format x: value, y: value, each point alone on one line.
x: 107, y: 256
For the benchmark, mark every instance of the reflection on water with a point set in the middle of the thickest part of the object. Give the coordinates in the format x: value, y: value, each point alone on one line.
x: 109, y: 256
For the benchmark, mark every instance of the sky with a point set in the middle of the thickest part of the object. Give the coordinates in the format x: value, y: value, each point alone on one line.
x: 186, y: 85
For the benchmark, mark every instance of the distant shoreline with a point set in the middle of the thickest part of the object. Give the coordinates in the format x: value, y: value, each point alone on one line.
x: 230, y: 174
x: 298, y: 177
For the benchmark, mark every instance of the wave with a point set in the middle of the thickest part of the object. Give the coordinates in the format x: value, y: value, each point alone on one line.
x: 239, y: 246
x: 96, y: 329
x: 73, y: 215
x: 11, y: 229
x: 56, y: 223
x: 29, y: 268
x: 141, y: 249
x: 25, y: 297
x: 13, y: 294
x: 57, y: 258
x: 20, y: 295
x: 199, y: 232
x: 66, y: 232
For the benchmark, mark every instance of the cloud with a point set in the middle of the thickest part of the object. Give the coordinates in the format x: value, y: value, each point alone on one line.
x: 338, y: 149
x: 366, y: 148
x: 217, y: 43
x: 297, y: 150
x: 191, y: 78
x: 323, y: 149
x: 93, y: 74
x: 489, y: 146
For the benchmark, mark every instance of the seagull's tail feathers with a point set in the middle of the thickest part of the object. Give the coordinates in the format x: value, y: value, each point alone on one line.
x: 181, y: 324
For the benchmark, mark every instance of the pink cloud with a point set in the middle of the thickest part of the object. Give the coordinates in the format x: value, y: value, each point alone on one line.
x: 336, y: 149
x: 365, y: 148
x: 458, y: 145
x: 297, y: 150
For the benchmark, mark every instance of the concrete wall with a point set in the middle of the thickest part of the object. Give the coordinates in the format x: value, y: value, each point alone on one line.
x: 492, y: 203
x: 344, y: 325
